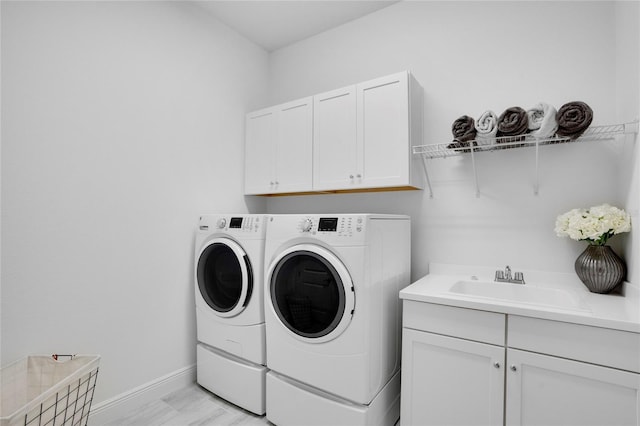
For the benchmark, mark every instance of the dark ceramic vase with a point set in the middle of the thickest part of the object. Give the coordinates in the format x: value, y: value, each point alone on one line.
x: 600, y: 269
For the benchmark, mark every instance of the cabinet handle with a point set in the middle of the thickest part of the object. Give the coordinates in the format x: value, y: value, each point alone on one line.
x: 358, y: 175
x: 513, y: 367
x: 350, y: 176
x: 496, y: 364
x: 270, y: 183
x: 277, y: 183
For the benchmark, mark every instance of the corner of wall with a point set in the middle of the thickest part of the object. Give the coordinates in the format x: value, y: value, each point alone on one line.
x: 627, y: 100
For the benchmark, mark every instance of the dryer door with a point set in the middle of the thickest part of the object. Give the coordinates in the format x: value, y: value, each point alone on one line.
x: 224, y: 277
x: 311, y: 293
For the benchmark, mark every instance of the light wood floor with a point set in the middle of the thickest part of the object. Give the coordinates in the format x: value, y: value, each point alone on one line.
x: 191, y: 406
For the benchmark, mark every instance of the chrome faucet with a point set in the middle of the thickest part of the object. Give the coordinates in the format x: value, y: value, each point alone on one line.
x: 505, y: 276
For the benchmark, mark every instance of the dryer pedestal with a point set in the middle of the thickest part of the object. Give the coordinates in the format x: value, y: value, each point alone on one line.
x: 240, y: 382
x: 292, y: 403
x: 246, y: 342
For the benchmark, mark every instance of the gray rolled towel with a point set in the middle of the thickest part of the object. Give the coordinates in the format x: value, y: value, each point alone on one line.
x: 513, y: 122
x: 573, y: 119
x: 463, y: 130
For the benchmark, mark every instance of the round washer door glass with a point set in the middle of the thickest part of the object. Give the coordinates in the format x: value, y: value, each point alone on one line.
x: 224, y: 277
x: 311, y: 293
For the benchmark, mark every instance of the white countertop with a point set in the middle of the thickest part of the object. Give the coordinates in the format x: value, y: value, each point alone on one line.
x: 620, y: 311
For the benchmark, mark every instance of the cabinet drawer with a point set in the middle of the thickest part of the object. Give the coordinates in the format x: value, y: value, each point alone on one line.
x: 481, y: 326
x: 613, y: 348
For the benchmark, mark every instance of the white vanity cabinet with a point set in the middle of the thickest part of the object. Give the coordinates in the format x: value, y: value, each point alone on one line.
x: 560, y: 373
x: 466, y: 366
x: 278, y: 148
x: 363, y: 135
x: 548, y: 390
x: 451, y: 380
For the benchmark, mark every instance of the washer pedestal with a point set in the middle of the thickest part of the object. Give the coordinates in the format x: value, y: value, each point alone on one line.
x: 234, y: 379
x: 292, y: 403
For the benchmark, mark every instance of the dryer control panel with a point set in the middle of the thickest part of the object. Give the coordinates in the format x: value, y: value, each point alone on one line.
x: 245, y: 225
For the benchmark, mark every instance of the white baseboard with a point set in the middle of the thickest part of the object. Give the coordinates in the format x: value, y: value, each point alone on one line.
x: 114, y: 408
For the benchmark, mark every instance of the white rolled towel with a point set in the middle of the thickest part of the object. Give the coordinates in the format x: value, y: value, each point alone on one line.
x: 542, y: 121
x: 486, y: 127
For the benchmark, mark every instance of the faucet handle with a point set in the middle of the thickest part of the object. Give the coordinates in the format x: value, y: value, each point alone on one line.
x: 499, y: 275
x: 518, y: 277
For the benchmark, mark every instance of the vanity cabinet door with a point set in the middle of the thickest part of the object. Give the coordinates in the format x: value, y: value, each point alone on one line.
x: 450, y: 381
x: 546, y: 390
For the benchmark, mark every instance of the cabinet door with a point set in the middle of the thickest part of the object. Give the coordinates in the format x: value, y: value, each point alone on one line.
x: 450, y: 381
x: 383, y: 131
x: 545, y: 390
x: 259, y: 151
x: 334, y: 140
x: 294, y: 145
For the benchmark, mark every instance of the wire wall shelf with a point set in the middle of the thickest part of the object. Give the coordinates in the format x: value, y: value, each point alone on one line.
x: 472, y: 148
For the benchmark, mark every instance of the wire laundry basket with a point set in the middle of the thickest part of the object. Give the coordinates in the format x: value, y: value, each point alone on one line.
x: 46, y: 390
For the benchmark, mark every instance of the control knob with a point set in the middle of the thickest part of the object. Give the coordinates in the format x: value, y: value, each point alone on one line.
x: 222, y: 222
x: 307, y: 225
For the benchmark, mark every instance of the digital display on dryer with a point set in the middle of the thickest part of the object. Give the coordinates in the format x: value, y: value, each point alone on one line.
x: 328, y: 224
x: 236, y: 222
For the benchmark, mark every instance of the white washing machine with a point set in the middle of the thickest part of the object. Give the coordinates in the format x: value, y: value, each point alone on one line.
x: 333, y: 319
x: 229, y: 259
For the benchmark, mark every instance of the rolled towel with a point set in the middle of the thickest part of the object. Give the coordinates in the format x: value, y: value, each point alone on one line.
x: 486, y: 127
x: 573, y: 119
x: 513, y: 122
x: 542, y: 121
x: 463, y: 130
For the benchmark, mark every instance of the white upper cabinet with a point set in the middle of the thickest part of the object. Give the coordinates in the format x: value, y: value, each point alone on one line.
x: 335, y: 150
x: 278, y: 148
x: 363, y: 135
x: 260, y: 147
x: 294, y: 148
x: 384, y: 131
x: 357, y: 138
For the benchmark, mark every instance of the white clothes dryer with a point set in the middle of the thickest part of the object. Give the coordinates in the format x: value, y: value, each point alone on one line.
x: 332, y: 316
x: 229, y: 259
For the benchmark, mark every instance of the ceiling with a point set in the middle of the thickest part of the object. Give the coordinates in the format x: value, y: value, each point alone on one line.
x: 274, y: 24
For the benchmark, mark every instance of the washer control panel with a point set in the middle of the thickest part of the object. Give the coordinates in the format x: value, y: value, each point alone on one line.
x: 342, y: 226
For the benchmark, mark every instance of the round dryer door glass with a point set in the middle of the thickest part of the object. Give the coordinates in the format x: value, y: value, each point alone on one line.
x: 224, y: 277
x: 311, y: 293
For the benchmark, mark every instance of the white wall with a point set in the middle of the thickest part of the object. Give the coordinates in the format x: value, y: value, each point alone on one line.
x: 121, y: 123
x: 470, y: 57
x: 628, y: 100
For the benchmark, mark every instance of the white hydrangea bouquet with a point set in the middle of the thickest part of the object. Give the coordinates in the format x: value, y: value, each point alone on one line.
x: 594, y: 225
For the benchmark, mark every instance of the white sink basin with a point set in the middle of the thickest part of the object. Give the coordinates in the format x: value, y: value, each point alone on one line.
x: 518, y: 293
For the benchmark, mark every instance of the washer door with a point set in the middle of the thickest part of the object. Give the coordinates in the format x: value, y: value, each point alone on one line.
x: 311, y: 293
x: 224, y: 277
